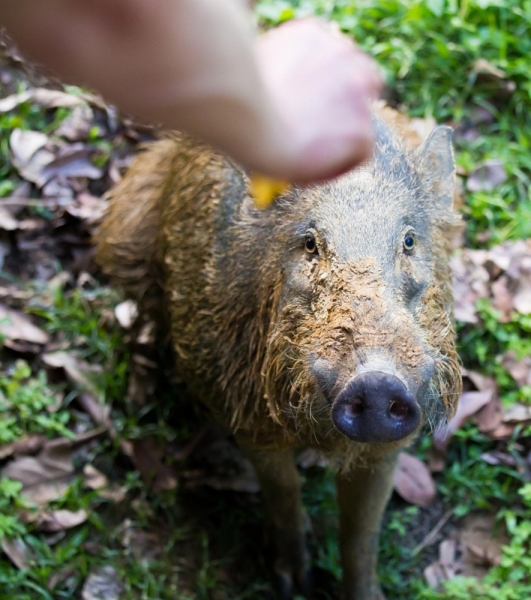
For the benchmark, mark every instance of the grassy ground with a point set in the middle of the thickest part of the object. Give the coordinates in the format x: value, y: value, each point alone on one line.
x: 198, y: 543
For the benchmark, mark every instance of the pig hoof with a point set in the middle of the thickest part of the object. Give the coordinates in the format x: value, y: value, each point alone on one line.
x: 305, y: 581
x: 369, y: 592
x: 284, y: 585
x: 287, y: 585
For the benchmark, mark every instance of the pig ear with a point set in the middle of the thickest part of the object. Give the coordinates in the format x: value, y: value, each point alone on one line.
x: 438, y: 165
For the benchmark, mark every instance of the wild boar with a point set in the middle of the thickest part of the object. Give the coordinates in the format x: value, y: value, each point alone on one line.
x: 324, y: 321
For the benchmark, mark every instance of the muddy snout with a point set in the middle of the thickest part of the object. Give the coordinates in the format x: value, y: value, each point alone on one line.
x: 375, y: 407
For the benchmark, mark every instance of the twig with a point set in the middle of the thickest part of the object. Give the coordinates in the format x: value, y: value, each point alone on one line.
x: 50, y: 202
x: 430, y: 538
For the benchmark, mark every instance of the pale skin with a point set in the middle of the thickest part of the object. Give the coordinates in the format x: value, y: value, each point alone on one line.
x: 292, y: 104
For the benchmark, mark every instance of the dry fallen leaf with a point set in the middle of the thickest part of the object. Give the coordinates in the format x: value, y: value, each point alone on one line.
x: 102, y: 584
x: 17, y: 326
x: 147, y: 458
x: 519, y: 369
x: 501, y: 274
x: 482, y: 65
x: 445, y: 568
x: 73, y: 160
x: 55, y: 98
x: 10, y: 102
x: 60, y: 576
x: 522, y: 295
x: 47, y: 476
x: 146, y: 546
x: 27, y: 444
x: 481, y: 540
x: 24, y: 144
x: 60, y: 190
x: 57, y: 520
x: 470, y: 283
x: 126, y: 313
x: 15, y: 294
x: 87, y: 208
x: 43, y: 97
x: 114, y: 493
x: 413, y: 481
x: 76, y: 369
x: 517, y: 413
x: 94, y: 479
x: 481, y: 382
x: 502, y: 298
x: 7, y: 221
x: 502, y: 432
x: 488, y: 73
x: 100, y: 413
x: 77, y: 126
x: 30, y: 157
x: 496, y: 457
x: 469, y: 404
x: 18, y: 552
x: 489, y: 416
x: 487, y: 176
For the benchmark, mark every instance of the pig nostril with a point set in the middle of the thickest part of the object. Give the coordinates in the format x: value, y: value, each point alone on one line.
x: 398, y: 410
x: 355, y: 408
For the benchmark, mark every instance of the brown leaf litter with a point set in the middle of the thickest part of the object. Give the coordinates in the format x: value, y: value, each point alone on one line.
x: 486, y: 176
x: 18, y: 552
x: 77, y: 370
x: 501, y: 274
x: 16, y: 326
x: 471, y: 551
x: 46, y: 98
x: 102, y: 584
x: 413, y: 481
x: 46, y: 476
x: 148, y: 459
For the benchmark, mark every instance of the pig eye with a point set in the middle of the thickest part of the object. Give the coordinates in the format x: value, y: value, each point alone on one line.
x: 409, y: 242
x: 310, y: 244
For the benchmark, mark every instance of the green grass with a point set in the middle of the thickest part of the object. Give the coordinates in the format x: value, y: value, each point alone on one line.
x: 24, y: 402
x: 79, y: 318
x: 510, y: 580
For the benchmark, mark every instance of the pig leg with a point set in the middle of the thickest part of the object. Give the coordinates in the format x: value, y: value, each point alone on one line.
x: 362, y: 496
x: 285, y: 518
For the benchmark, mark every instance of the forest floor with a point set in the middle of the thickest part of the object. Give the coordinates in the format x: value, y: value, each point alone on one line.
x: 106, y: 493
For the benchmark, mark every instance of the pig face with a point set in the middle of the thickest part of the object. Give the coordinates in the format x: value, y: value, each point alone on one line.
x: 363, y: 335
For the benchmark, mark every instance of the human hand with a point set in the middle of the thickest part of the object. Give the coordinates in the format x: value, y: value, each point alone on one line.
x: 321, y: 85
x: 292, y: 105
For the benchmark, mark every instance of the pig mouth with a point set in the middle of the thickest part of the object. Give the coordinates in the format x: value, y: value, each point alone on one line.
x: 376, y: 407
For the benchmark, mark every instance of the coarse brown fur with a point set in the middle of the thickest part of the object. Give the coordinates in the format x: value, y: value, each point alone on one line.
x: 250, y: 314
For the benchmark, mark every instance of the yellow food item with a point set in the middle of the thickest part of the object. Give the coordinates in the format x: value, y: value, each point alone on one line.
x: 265, y: 189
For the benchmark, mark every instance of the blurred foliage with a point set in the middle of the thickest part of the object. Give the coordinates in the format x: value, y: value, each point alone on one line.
x: 27, y: 405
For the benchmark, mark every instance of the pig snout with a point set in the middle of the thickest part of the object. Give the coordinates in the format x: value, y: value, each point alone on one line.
x: 376, y: 407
